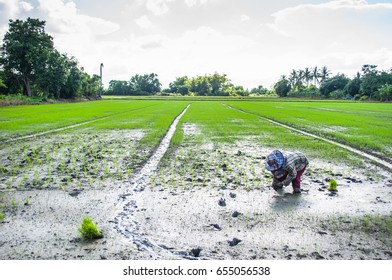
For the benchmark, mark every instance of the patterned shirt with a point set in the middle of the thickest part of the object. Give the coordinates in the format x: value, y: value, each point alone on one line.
x: 295, y: 162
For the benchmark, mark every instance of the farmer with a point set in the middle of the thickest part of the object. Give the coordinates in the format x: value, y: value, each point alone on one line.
x: 286, y: 167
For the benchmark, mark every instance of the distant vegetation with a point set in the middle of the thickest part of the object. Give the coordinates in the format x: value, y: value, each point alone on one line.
x: 371, y: 84
x: 31, y: 67
x: 208, y: 85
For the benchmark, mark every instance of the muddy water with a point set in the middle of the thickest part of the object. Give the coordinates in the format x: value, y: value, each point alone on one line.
x: 49, y: 184
x: 209, y: 201
x: 123, y: 220
x: 176, y: 218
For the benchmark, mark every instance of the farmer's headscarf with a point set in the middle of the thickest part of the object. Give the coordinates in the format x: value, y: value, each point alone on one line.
x: 274, y: 161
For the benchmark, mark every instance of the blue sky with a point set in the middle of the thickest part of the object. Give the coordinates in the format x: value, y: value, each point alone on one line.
x: 254, y: 42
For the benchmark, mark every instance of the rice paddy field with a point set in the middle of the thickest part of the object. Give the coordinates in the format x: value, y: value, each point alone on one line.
x: 184, y: 178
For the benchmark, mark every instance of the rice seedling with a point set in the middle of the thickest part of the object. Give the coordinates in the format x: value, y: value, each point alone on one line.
x: 332, y: 185
x: 14, y: 204
x: 89, y: 229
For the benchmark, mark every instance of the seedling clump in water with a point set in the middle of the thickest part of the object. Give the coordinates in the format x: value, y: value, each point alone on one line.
x: 333, y: 185
x: 89, y: 230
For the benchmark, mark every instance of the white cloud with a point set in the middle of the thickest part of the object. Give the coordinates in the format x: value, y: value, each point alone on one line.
x: 204, y: 51
x: 78, y: 34
x: 196, y: 52
x: 192, y: 3
x: 65, y: 18
x: 9, y: 8
x: 340, y: 17
x: 27, y: 7
x: 351, y: 62
x: 158, y: 7
x: 144, y: 22
x: 340, y: 34
x: 161, y: 7
x: 244, y: 17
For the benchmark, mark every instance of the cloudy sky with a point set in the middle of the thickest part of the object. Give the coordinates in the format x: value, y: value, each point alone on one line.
x: 254, y: 42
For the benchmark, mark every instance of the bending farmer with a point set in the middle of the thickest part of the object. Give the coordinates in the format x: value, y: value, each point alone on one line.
x: 286, y: 167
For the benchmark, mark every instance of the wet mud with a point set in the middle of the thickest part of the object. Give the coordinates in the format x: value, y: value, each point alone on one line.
x: 49, y: 184
x: 221, y: 205
x: 198, y: 201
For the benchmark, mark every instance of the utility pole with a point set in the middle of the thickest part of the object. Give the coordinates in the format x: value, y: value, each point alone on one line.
x: 100, y: 82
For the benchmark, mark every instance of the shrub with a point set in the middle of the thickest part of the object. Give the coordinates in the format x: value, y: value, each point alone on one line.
x: 89, y: 230
x: 1, y: 217
x: 363, y: 98
x: 337, y: 94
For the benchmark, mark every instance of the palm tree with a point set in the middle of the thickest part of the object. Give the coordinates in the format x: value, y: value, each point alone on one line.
x: 300, y: 78
x: 324, y: 74
x: 315, y: 75
x: 293, y: 78
x: 307, y: 76
x: 296, y: 78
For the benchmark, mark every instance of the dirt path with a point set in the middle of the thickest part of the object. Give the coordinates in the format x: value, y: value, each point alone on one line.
x: 123, y: 220
x: 351, y: 149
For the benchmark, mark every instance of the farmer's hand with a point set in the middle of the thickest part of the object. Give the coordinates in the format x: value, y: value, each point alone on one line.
x: 277, y: 185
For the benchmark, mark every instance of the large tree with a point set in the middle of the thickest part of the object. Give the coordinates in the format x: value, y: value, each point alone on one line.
x: 335, y: 83
x: 52, y: 74
x: 282, y: 87
x: 91, y: 86
x: 219, y: 84
x: 372, y: 80
x: 146, y: 84
x: 200, y: 85
x: 385, y: 92
x: 73, y: 80
x: 180, y: 85
x: 2, y: 85
x: 25, y: 49
x: 353, y: 87
x: 117, y: 87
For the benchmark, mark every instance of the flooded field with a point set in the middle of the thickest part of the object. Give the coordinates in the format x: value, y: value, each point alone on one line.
x: 192, y: 197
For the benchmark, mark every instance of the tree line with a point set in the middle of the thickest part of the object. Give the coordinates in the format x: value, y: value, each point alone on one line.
x: 369, y: 84
x: 207, y: 85
x: 31, y: 65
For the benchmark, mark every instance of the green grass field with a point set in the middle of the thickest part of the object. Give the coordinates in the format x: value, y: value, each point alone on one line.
x: 217, y: 151
x: 220, y: 123
x: 25, y: 120
x: 367, y: 126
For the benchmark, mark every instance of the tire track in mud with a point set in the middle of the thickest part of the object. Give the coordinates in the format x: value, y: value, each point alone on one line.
x: 123, y: 220
x: 378, y: 160
x: 70, y: 126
